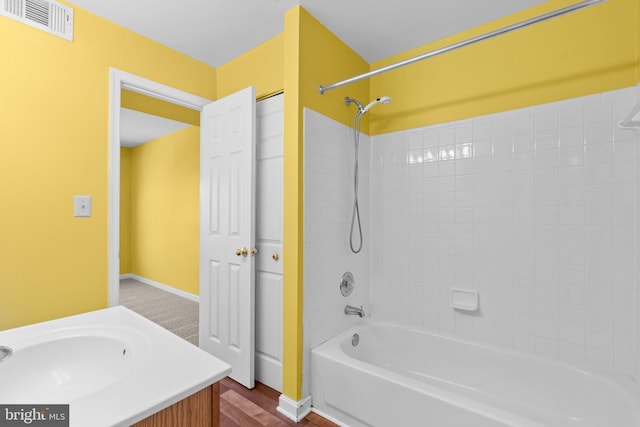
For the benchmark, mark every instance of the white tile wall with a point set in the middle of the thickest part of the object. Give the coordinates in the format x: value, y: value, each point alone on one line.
x: 328, y: 203
x: 534, y: 208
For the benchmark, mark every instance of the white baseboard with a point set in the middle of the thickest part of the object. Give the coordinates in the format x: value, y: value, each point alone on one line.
x: 162, y: 286
x: 292, y: 409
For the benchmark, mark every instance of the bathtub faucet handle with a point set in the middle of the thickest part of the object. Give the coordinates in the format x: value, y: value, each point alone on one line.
x: 351, y: 310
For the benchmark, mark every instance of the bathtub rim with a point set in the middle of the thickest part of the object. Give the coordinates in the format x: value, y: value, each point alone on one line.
x: 621, y: 380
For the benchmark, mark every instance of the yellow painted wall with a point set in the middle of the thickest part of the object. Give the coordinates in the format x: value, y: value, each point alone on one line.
x: 262, y: 67
x: 125, y: 210
x: 312, y: 55
x: 589, y: 51
x: 165, y: 209
x: 54, y: 123
x: 293, y: 215
x: 324, y: 58
x: 146, y: 104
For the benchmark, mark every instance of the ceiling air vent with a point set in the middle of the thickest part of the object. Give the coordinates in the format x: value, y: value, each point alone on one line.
x: 49, y: 16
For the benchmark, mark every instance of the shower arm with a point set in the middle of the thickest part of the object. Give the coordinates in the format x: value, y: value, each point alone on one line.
x: 553, y: 14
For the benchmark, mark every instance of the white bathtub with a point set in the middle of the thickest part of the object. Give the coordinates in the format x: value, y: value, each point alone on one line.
x: 401, y: 377
x: 113, y: 367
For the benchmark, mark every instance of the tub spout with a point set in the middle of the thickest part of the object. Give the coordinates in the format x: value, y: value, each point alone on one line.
x: 351, y: 310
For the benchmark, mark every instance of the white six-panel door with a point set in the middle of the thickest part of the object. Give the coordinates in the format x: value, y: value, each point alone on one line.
x: 227, y: 218
x: 269, y: 192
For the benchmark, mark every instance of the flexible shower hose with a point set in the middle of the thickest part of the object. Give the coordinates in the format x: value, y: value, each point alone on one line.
x: 355, y: 217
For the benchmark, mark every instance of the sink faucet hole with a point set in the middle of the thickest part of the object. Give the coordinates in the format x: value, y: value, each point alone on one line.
x: 5, y: 353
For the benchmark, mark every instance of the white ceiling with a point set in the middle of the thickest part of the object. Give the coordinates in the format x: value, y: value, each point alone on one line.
x: 216, y: 31
x: 137, y: 128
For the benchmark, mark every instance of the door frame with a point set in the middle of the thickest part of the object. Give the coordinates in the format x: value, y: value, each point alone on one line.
x: 119, y: 80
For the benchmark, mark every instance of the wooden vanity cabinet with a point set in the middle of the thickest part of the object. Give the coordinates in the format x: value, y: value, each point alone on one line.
x: 201, y: 409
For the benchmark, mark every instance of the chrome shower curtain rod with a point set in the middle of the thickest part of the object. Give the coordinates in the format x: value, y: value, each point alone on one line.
x: 473, y: 40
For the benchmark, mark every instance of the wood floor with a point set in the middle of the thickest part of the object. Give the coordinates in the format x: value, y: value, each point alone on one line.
x: 240, y: 407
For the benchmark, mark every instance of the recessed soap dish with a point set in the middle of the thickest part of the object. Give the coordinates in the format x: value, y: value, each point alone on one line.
x: 464, y: 299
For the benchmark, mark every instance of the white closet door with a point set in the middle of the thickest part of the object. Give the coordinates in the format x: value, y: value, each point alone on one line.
x: 269, y: 154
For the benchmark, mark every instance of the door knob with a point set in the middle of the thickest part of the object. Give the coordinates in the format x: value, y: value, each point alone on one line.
x: 244, y: 252
x: 254, y: 251
x: 275, y: 256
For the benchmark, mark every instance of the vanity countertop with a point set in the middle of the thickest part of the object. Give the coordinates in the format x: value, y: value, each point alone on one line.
x: 112, y: 366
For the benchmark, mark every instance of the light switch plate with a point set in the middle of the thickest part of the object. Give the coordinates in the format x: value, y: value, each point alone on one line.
x: 82, y: 206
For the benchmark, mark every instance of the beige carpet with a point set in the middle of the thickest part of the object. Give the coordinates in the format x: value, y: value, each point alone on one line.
x: 178, y: 315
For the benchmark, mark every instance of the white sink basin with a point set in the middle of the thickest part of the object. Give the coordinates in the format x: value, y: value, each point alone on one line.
x: 65, y: 368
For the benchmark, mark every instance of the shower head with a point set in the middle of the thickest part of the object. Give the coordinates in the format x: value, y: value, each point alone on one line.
x: 362, y: 109
x: 381, y: 100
